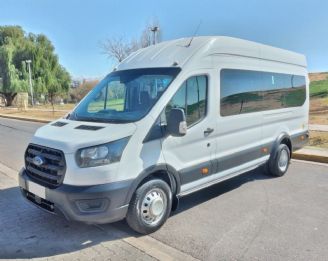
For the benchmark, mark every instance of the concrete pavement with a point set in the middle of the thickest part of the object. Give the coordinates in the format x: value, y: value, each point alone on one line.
x: 27, y: 232
x: 318, y: 127
x: 251, y: 217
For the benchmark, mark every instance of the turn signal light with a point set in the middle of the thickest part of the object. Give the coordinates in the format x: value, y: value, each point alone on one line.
x: 204, y: 171
x: 265, y: 150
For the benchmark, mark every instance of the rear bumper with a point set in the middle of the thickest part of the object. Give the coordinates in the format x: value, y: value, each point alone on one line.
x: 96, y: 204
x: 299, y: 140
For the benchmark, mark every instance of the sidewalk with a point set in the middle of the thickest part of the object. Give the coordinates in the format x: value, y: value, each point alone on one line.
x: 318, y: 127
x: 24, y: 118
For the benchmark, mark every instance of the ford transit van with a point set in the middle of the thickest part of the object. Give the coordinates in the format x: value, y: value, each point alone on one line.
x: 171, y: 119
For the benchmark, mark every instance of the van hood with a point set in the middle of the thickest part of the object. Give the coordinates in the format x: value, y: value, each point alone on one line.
x: 69, y: 136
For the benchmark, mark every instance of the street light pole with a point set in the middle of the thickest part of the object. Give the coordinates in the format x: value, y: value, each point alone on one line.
x: 30, y: 80
x: 154, y: 29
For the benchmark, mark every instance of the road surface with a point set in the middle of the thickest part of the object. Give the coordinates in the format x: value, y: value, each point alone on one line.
x: 251, y: 217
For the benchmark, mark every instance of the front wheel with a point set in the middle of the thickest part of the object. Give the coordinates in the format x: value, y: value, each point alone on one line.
x: 150, y: 206
x: 279, y: 162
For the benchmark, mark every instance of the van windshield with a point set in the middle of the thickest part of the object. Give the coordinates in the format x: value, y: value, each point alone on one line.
x: 125, y: 96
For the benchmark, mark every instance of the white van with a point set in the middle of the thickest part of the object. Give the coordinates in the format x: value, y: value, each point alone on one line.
x: 171, y: 119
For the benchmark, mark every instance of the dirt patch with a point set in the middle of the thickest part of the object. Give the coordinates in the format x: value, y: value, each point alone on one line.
x: 321, y: 118
x: 68, y: 106
x: 318, y: 76
x: 318, y: 139
x: 318, y: 105
x: 34, y: 114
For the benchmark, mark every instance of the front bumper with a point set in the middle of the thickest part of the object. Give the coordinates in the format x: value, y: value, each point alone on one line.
x: 97, y: 204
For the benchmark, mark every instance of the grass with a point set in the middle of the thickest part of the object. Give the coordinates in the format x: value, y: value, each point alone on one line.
x: 319, y: 89
x: 319, y: 99
x: 117, y: 104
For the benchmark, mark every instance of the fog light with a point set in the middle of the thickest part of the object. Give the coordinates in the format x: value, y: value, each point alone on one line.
x: 92, y: 205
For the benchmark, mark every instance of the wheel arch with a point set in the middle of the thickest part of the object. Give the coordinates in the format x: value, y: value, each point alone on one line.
x: 283, y: 138
x: 162, y: 171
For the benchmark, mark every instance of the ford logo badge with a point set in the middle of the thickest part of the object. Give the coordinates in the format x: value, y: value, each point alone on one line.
x: 38, y: 161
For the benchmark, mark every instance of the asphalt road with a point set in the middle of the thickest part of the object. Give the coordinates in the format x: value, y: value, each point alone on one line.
x: 251, y: 217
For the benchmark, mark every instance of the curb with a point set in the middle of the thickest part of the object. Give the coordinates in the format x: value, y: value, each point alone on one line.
x: 24, y: 119
x: 148, y: 245
x: 8, y: 171
x: 310, y: 157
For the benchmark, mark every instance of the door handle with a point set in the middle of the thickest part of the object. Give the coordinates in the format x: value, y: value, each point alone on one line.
x: 208, y: 131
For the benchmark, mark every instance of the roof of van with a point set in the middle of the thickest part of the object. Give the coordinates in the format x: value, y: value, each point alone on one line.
x: 181, y: 51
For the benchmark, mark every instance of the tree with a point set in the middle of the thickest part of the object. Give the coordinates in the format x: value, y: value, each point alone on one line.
x: 11, y: 76
x: 118, y: 49
x: 86, y: 86
x: 58, y: 84
x: 48, y: 76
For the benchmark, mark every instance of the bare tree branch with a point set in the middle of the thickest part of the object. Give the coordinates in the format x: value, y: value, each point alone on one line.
x: 118, y: 49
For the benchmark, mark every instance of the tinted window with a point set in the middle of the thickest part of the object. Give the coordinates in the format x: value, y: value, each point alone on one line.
x: 240, y: 92
x: 245, y: 91
x: 125, y: 96
x: 191, y: 97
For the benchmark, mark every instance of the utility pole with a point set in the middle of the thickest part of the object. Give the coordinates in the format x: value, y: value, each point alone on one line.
x: 154, y: 29
x: 30, y: 80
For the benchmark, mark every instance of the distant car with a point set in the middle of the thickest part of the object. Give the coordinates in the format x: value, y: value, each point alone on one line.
x: 172, y: 119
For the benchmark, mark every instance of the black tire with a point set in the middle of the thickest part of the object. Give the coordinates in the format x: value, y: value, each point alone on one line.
x: 272, y: 166
x: 134, y: 216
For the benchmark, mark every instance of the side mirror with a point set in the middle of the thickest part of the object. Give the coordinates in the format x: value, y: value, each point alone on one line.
x: 176, y: 122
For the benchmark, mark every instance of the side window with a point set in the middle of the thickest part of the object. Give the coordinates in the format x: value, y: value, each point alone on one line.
x: 240, y: 91
x: 244, y: 91
x: 276, y: 87
x: 192, y: 98
x: 297, y: 94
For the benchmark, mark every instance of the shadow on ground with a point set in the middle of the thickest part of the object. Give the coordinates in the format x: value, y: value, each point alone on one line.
x: 216, y: 190
x: 28, y: 232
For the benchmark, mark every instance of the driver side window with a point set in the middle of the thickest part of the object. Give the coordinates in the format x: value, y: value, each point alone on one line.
x: 192, y: 98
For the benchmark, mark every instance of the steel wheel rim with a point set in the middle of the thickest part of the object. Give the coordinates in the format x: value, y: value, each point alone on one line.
x: 153, y: 206
x: 283, y: 160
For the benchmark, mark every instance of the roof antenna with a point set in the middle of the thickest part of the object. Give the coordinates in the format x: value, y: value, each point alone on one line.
x: 192, y: 38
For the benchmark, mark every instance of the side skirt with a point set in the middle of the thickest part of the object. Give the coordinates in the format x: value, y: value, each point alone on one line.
x: 219, y: 177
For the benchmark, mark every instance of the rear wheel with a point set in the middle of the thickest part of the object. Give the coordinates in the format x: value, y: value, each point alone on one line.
x: 279, y: 162
x: 150, y: 206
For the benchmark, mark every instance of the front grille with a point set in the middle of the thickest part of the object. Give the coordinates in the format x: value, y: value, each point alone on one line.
x: 51, y: 172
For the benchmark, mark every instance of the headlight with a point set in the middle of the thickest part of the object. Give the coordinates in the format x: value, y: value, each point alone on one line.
x: 101, y: 154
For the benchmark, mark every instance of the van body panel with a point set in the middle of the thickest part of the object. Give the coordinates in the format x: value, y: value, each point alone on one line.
x: 194, y: 152
x: 69, y: 138
x: 216, y: 147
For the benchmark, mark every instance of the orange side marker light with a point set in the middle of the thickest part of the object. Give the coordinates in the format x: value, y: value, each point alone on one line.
x: 204, y: 171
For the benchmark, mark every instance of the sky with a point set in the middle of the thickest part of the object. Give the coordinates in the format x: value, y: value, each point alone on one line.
x: 77, y: 28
